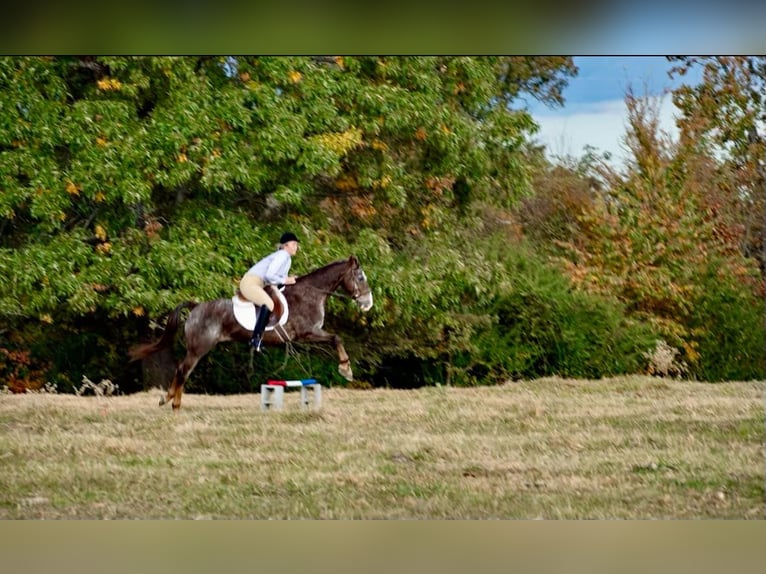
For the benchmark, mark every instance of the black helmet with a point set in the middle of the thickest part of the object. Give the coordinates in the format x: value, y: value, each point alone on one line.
x: 287, y: 236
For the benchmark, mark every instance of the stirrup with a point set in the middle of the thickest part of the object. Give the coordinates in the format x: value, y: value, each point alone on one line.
x: 257, y: 344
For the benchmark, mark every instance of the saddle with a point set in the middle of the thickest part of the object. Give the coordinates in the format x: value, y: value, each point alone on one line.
x: 245, y: 310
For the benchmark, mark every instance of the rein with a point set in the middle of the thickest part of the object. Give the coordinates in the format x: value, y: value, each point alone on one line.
x: 335, y: 291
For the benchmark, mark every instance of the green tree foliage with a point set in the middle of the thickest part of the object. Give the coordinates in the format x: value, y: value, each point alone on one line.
x: 131, y: 183
x: 541, y: 326
x: 103, y: 156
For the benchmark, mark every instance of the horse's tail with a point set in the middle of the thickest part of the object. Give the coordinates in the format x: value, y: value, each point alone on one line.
x: 174, y: 320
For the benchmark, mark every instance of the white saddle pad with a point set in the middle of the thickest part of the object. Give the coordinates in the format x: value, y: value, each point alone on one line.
x: 245, y: 311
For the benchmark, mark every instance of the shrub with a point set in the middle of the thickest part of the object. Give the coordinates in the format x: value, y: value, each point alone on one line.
x: 728, y: 321
x: 663, y: 361
x: 544, y: 327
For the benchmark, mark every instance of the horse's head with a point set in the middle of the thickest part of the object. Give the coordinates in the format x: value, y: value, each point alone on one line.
x: 355, y: 284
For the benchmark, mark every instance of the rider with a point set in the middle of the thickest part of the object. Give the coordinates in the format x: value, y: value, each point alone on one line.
x: 271, y: 270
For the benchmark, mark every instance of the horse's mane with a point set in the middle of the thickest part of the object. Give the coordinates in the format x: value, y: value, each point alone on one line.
x: 322, y: 270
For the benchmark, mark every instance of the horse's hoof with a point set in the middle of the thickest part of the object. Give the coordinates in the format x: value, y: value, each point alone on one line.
x: 345, y: 370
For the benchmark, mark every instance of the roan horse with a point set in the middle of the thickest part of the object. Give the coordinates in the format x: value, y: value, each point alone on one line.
x: 213, y: 322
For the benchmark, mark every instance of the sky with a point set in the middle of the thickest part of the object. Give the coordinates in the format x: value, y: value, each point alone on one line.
x: 699, y: 27
x: 594, y: 113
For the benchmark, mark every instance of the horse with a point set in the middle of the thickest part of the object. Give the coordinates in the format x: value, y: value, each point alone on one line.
x: 213, y: 322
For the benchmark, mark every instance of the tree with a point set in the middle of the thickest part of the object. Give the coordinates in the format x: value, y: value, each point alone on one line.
x: 653, y: 240
x: 723, y: 115
x: 131, y: 183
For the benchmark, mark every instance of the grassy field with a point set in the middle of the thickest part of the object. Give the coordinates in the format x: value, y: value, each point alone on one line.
x: 631, y: 448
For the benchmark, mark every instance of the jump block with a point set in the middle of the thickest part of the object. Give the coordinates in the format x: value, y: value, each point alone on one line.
x: 273, y: 392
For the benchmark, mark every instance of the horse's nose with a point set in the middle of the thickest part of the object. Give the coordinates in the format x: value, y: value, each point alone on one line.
x: 365, y: 302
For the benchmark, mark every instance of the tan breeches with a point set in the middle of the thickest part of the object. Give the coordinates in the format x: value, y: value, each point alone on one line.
x: 252, y: 288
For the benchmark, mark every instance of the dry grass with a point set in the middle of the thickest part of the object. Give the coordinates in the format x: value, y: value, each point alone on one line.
x: 623, y: 448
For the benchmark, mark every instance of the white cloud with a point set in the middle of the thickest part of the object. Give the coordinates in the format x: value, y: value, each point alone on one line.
x: 598, y: 124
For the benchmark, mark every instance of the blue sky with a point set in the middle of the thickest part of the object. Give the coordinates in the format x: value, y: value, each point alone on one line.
x: 705, y: 27
x: 594, y: 113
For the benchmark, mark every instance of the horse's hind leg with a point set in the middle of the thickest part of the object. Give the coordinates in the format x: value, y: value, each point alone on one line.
x: 178, y: 375
x: 202, y: 332
x: 171, y: 392
x: 176, y: 389
x: 182, y: 373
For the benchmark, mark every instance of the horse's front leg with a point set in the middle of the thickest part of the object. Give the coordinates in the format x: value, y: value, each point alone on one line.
x: 344, y: 363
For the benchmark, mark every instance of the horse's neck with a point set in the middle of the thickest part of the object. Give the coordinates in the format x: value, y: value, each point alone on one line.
x: 327, y: 278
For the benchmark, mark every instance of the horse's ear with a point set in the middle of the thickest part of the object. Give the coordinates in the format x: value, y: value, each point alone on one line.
x: 353, y: 261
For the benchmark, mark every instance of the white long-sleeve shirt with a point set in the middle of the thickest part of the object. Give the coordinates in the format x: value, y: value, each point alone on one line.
x: 273, y: 268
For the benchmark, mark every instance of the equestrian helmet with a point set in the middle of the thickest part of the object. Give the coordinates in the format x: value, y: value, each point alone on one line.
x: 287, y: 236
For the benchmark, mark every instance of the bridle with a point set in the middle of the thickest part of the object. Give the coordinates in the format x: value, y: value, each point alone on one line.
x: 357, y: 292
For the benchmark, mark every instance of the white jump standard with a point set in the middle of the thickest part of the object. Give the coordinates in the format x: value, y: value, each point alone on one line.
x: 272, y: 393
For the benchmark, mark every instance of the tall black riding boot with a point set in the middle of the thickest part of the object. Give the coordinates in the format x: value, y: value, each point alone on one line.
x: 260, y: 327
